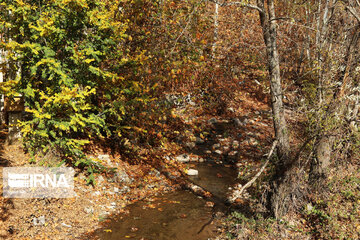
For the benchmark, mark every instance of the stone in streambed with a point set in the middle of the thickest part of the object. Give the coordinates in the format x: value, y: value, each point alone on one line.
x: 183, y: 158
x: 192, y: 172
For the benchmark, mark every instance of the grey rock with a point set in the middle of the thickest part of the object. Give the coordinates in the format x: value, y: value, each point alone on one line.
x: 183, y: 158
x: 122, y: 177
x: 190, y: 145
x: 218, y: 152
x: 155, y: 172
x: 253, y: 141
x: 104, y: 214
x: 104, y: 157
x: 216, y: 145
x: 97, y: 193
x: 40, y: 221
x: 232, y: 153
x: 116, y: 190
x: 125, y: 189
x: 212, y: 121
x: 192, y: 172
x: 237, y: 122
x: 100, y: 179
x: 199, y: 140
x: 309, y: 207
x: 88, y: 210
x: 207, y: 151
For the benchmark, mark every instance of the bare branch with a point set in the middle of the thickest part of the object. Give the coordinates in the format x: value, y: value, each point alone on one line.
x: 353, y: 12
x: 248, y: 184
x: 224, y: 4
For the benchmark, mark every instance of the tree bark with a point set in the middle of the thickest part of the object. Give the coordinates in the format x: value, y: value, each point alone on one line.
x: 282, y: 184
x: 268, y: 24
x: 321, y: 163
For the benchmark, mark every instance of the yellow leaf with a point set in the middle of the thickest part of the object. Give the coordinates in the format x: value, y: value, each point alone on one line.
x: 107, y: 230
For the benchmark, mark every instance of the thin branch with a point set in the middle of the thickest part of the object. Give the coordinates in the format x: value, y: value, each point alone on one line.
x: 186, y: 26
x: 224, y: 4
x: 281, y: 18
x: 354, y: 13
x: 248, y: 184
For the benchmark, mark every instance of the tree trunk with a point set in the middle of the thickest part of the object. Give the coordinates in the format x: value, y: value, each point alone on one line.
x: 321, y: 163
x: 278, y: 199
x: 216, y: 29
x: 337, y: 106
x: 269, y: 33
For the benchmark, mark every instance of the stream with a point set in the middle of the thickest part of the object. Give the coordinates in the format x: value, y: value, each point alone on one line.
x: 179, y: 215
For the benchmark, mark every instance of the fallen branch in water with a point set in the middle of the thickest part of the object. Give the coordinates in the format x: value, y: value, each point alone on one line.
x: 248, y: 184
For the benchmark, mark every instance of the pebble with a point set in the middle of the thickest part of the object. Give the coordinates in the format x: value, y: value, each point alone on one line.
x: 216, y: 145
x: 192, y: 172
x: 212, y: 121
x: 199, y: 141
x: 97, y: 193
x: 190, y: 145
x: 209, y: 204
x: 238, y: 122
x: 88, y: 210
x: 104, y: 157
x: 218, y: 152
x: 183, y: 158
x: 232, y: 153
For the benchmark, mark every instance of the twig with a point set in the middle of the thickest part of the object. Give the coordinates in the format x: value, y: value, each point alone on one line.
x: 354, y: 13
x: 185, y: 28
x: 242, y: 4
x: 248, y: 184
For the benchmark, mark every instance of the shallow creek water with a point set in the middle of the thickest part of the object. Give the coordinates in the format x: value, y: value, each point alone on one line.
x: 180, y: 215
